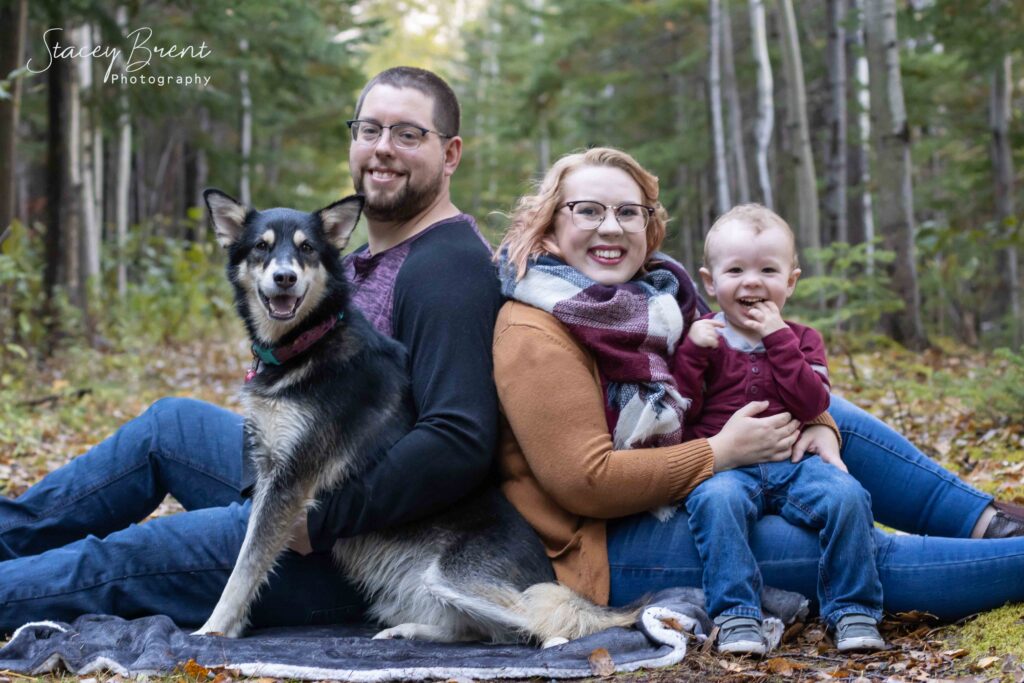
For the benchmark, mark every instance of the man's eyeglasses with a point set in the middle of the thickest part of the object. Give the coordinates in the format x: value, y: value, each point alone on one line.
x: 588, y: 215
x: 403, y: 135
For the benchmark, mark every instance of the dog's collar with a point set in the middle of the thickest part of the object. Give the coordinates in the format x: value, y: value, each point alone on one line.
x: 282, y: 354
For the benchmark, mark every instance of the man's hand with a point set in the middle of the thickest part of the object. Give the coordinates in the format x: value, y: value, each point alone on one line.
x: 300, y: 542
x: 705, y: 333
x: 821, y: 440
x: 765, y: 318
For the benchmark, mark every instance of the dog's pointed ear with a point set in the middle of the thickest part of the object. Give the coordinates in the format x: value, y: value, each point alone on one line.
x: 227, y: 216
x: 340, y: 218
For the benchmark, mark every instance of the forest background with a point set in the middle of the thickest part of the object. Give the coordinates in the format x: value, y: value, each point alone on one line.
x: 887, y: 132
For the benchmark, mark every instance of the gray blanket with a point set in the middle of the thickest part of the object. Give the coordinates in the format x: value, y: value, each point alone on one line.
x: 155, y: 645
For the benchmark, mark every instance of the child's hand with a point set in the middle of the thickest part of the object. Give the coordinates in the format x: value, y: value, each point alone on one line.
x: 821, y: 440
x: 765, y: 318
x: 705, y: 333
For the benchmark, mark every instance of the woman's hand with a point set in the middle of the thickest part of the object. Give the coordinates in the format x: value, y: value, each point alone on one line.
x: 748, y: 440
x: 821, y: 440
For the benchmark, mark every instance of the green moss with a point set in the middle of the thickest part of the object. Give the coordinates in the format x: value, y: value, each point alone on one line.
x: 999, y: 632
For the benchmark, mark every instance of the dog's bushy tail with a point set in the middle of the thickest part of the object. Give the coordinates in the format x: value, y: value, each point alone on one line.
x: 552, y: 610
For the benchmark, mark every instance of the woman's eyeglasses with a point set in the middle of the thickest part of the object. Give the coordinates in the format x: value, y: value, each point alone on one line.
x: 588, y: 215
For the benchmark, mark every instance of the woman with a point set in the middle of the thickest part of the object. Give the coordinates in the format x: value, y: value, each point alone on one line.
x: 575, y: 337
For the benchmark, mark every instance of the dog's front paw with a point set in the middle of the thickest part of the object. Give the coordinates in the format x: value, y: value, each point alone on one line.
x: 212, y: 628
x: 404, y: 631
x: 554, y: 641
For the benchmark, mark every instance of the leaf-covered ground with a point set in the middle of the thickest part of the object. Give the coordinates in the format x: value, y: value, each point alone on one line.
x: 54, y: 412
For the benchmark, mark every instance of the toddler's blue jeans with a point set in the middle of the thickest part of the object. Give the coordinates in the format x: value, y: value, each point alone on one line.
x: 811, y: 494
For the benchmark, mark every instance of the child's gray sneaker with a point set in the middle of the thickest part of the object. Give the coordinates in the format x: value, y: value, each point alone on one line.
x: 858, y: 632
x: 740, y: 635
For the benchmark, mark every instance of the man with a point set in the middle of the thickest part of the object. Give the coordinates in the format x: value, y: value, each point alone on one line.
x: 70, y: 545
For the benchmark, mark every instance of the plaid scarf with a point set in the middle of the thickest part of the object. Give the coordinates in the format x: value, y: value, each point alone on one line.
x: 632, y: 329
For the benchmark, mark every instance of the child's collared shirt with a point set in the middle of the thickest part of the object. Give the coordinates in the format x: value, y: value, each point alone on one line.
x: 787, y: 368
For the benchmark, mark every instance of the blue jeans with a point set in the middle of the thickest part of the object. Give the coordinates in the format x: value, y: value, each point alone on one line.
x: 945, y: 572
x: 811, y: 494
x: 73, y: 543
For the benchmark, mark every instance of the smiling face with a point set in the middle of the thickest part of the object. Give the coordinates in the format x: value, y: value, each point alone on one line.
x: 747, y: 266
x: 608, y: 255
x: 284, y: 264
x: 399, y: 184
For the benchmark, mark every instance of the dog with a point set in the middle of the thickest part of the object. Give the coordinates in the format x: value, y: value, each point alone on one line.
x: 318, y: 419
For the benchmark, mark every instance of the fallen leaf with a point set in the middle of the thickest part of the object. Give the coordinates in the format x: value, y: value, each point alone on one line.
x: 710, y: 642
x: 194, y: 669
x: 986, y: 662
x: 672, y: 624
x: 601, y: 663
x: 914, y: 615
x: 733, y: 665
x: 956, y: 654
x: 783, y: 667
x: 793, y: 631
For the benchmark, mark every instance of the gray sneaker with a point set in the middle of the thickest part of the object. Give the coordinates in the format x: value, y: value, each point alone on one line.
x: 858, y: 632
x: 740, y: 635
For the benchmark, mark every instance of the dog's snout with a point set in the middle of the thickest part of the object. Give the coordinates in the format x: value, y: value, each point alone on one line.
x: 285, y: 278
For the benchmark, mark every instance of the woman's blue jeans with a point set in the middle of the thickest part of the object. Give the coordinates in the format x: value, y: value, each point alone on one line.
x: 75, y: 542
x: 944, y: 572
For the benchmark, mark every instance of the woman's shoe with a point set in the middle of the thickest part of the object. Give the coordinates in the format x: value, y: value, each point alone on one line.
x: 1003, y: 525
x: 1014, y: 511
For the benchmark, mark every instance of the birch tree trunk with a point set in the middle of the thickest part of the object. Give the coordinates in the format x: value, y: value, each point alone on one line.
x: 722, y: 200
x: 867, y: 203
x: 58, y: 199
x: 1002, y: 167
x: 765, y: 100
x: 82, y: 168
x: 732, y: 97
x: 891, y: 142
x: 13, y: 15
x: 96, y: 124
x: 71, y: 223
x: 124, y: 171
x: 245, y: 191
x: 835, y: 194
x: 685, y: 207
x: 808, y: 216
x: 202, y: 171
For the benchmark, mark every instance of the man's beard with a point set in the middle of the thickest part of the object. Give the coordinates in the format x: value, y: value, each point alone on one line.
x: 407, y: 203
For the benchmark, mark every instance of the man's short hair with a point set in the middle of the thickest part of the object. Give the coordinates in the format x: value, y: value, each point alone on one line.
x: 446, y: 104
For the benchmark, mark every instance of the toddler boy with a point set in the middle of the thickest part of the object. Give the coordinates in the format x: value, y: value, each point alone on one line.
x: 745, y: 353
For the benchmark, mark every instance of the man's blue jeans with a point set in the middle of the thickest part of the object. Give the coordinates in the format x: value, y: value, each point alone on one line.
x: 73, y: 543
x: 810, y: 494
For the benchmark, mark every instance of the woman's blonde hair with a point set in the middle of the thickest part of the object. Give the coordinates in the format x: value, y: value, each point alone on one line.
x: 530, y: 232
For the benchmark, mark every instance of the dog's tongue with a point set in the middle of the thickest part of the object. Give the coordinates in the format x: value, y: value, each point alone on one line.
x: 282, y: 304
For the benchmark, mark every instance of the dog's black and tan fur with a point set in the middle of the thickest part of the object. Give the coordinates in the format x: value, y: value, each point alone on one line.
x: 318, y: 420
